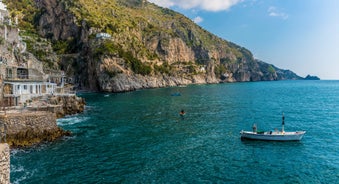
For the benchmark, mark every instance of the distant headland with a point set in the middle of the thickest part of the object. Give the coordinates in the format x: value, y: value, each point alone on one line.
x: 310, y: 77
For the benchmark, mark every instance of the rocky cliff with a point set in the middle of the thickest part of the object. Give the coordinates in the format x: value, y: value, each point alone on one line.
x: 126, y: 45
x: 69, y: 105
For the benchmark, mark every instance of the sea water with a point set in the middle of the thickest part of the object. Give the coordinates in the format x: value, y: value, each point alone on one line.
x: 139, y: 137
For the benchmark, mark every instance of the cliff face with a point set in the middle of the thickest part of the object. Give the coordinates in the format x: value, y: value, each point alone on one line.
x: 147, y: 47
x: 69, y: 105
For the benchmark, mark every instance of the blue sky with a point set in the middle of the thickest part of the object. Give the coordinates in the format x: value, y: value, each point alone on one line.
x: 299, y: 35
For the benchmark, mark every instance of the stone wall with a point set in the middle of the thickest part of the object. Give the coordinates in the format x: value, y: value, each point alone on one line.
x: 1, y: 86
x: 17, y: 122
x: 27, y: 128
x: 31, y: 125
x: 4, y: 164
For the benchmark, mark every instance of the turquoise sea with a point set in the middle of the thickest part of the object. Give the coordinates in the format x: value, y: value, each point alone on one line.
x: 139, y: 137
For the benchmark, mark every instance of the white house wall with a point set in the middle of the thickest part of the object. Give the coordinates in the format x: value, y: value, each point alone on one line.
x: 28, y: 90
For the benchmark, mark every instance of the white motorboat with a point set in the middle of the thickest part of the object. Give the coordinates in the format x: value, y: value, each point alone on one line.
x: 272, y: 135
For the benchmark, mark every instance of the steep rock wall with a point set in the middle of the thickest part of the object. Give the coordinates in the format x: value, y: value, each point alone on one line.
x: 4, y: 164
x: 68, y: 105
x: 172, y: 39
x: 55, y: 22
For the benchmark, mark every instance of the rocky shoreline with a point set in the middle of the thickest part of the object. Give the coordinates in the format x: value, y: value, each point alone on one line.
x: 36, y: 124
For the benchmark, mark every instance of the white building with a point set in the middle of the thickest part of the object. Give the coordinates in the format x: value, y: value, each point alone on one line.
x: 3, y: 11
x: 16, y: 93
x: 21, y: 84
x: 3, y: 7
x: 103, y: 35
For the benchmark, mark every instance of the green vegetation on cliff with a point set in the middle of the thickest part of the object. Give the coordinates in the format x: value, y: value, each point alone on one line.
x: 149, y: 39
x: 28, y: 15
x: 26, y: 11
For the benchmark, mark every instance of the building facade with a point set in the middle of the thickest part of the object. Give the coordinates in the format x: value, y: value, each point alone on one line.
x: 21, y: 84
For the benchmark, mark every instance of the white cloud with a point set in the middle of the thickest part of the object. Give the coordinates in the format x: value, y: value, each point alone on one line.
x: 198, y: 19
x: 274, y: 12
x: 208, y: 5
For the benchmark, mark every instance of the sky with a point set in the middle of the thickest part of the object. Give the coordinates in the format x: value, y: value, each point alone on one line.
x: 298, y: 35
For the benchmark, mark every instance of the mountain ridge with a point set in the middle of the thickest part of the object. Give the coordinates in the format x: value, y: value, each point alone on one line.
x: 148, y: 47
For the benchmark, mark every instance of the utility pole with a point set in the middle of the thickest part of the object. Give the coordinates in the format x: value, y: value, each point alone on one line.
x: 2, y: 94
x: 1, y: 91
x: 143, y: 2
x: 5, y: 32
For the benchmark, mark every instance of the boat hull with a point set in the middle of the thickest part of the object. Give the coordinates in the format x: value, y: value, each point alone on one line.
x: 273, y: 136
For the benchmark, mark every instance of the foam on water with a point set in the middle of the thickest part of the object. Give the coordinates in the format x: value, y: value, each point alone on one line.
x: 23, y: 172
x: 71, y: 120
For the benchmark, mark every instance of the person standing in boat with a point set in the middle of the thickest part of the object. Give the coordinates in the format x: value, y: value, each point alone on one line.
x: 254, y: 127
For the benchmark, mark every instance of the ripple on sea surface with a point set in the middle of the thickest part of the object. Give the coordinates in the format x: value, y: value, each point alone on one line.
x: 139, y: 137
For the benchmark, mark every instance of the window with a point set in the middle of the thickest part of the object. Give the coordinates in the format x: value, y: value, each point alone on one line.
x: 22, y: 73
x: 9, y: 73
